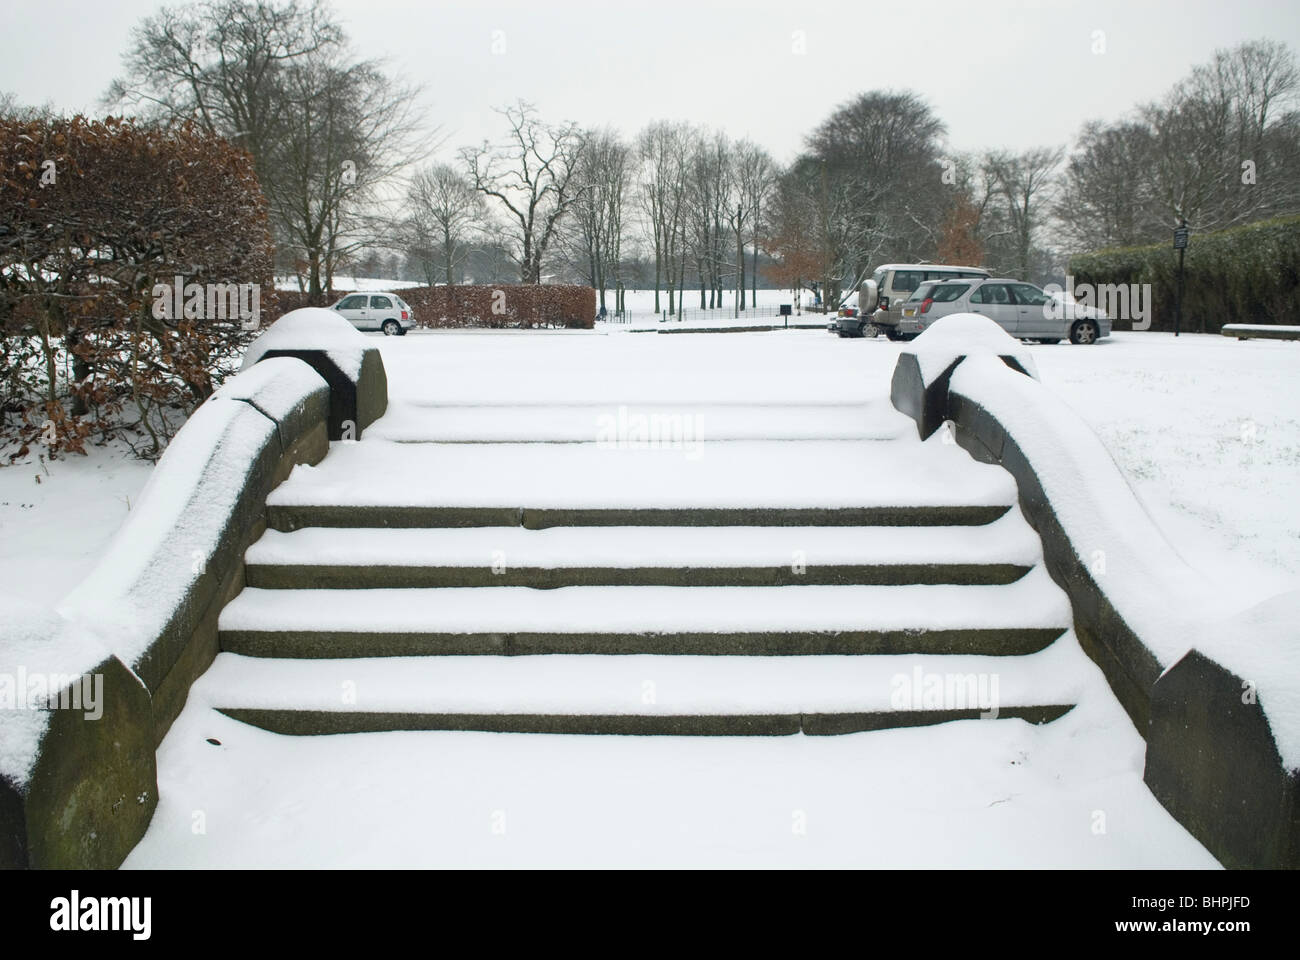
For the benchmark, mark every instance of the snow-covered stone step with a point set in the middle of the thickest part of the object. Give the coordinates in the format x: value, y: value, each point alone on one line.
x: 378, y: 483
x: 642, y: 694
x: 601, y: 423
x: 1017, y: 618
x: 319, y: 557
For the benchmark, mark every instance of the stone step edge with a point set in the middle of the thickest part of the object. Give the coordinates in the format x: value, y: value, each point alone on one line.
x: 283, y: 576
x: 287, y: 517
x: 329, y: 722
x: 331, y: 644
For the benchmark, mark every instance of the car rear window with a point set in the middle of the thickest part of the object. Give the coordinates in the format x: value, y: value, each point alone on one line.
x: 922, y: 291
x: 947, y: 292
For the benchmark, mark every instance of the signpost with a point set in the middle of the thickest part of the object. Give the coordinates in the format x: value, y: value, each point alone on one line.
x: 1181, y: 233
x: 785, y: 312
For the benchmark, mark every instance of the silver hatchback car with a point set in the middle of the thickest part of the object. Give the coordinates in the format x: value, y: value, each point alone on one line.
x: 1021, y: 309
x: 377, y: 311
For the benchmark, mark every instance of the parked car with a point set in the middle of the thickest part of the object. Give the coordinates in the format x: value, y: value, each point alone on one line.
x: 890, y: 284
x: 899, y: 321
x: 1022, y: 309
x: 377, y: 311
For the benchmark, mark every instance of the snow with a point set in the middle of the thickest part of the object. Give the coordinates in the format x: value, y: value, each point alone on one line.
x: 1267, y: 328
x: 276, y: 387
x: 687, y: 472
x: 975, y: 793
x: 640, y: 685
x: 173, y: 530
x: 344, y: 285
x: 1151, y: 586
x: 312, y: 328
x: 1261, y: 645
x: 1032, y: 602
x: 1206, y: 430
x: 34, y: 639
x: 58, y: 516
x: 961, y: 335
x: 1006, y: 540
x: 574, y: 423
x: 1166, y: 602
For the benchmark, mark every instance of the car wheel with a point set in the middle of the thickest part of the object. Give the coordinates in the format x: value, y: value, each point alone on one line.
x: 1084, y: 331
x: 391, y: 328
x: 868, y: 330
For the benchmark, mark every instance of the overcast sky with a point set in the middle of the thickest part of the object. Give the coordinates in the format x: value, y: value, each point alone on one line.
x: 999, y: 73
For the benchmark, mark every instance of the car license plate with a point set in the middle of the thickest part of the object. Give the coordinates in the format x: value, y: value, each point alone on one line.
x: 910, y: 312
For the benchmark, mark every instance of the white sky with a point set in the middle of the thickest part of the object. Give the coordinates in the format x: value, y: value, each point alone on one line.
x: 1000, y: 73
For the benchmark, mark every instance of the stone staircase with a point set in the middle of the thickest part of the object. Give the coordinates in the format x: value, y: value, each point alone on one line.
x: 819, y: 570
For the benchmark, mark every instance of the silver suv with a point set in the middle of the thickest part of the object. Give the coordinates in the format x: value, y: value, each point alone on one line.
x: 1021, y: 309
x: 377, y: 311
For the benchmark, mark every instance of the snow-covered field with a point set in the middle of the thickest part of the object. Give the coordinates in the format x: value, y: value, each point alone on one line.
x: 1206, y: 429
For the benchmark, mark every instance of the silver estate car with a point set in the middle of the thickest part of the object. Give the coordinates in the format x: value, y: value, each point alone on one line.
x: 1021, y: 309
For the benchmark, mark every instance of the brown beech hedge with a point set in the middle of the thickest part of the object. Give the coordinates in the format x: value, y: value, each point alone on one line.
x: 487, y: 305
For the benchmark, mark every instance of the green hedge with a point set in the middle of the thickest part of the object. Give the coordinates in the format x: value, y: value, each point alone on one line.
x: 1247, y: 274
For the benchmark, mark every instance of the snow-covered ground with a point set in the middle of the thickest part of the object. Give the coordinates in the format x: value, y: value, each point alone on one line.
x: 1206, y: 429
x: 1066, y: 794
x: 56, y: 517
x: 350, y: 284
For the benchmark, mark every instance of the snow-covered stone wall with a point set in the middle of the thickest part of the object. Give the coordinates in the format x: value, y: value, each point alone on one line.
x: 97, y: 682
x: 1214, y: 688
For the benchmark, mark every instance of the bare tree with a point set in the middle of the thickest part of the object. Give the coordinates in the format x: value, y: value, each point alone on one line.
x: 532, y: 176
x: 345, y: 130
x: 595, y: 237
x: 755, y: 175
x: 1023, y: 182
x: 1222, y: 148
x: 218, y: 63
x: 275, y: 79
x: 709, y: 191
x: 662, y: 150
x: 444, y: 211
